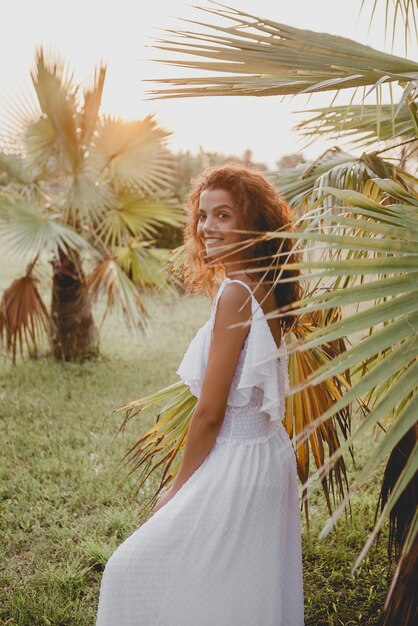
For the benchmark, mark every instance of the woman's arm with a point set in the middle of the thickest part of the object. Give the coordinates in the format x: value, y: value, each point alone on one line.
x: 233, y: 307
x: 224, y: 352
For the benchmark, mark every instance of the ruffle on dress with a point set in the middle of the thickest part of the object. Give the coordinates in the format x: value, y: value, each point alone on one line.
x: 261, y: 363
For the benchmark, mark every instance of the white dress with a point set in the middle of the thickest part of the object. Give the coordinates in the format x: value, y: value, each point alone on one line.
x: 226, y: 549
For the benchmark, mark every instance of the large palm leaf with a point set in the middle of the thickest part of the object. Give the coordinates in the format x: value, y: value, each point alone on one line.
x: 88, y: 118
x: 275, y: 59
x: 381, y: 240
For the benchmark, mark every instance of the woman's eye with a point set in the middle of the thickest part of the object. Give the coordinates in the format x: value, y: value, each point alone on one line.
x: 221, y: 215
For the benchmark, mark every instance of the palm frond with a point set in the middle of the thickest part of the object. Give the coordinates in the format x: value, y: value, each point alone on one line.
x: 14, y: 167
x: 143, y: 263
x: 88, y: 198
x: 135, y: 155
x: 304, y: 184
x: 26, y: 230
x: 274, y: 59
x: 89, y: 116
x: 56, y: 131
x: 138, y: 216
x: 175, y: 262
x: 41, y: 142
x: 305, y: 406
x: 160, y: 445
x: 377, y: 235
x: 360, y: 125
x: 24, y: 318
x: 108, y: 278
x: 395, y: 11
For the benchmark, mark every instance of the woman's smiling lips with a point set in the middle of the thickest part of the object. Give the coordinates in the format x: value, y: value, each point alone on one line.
x: 212, y: 239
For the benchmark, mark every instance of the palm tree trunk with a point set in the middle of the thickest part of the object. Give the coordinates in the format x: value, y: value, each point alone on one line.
x: 74, y: 335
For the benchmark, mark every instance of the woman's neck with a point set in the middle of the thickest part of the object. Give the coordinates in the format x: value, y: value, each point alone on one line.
x: 242, y: 274
x: 237, y: 270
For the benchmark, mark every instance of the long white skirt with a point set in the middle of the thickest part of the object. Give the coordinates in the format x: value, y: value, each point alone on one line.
x: 224, y: 551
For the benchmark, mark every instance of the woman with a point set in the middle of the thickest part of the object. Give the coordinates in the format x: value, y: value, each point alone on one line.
x: 223, y: 545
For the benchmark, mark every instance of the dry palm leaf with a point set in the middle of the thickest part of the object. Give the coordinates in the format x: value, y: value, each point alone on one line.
x: 23, y: 315
x: 161, y: 443
x: 108, y: 277
x: 306, y: 405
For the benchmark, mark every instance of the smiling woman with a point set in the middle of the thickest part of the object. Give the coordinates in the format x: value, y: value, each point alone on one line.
x: 223, y: 546
x: 229, y: 210
x: 218, y: 221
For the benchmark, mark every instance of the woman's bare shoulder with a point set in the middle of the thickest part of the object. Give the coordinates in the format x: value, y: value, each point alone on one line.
x: 234, y: 302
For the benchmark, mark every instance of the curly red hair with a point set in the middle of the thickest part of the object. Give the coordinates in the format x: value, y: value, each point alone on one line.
x: 262, y: 209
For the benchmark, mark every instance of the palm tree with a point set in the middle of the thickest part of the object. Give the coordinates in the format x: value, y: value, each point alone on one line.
x: 357, y: 218
x: 88, y: 193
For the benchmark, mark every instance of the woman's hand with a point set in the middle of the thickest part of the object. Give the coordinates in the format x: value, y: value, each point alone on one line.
x: 164, y: 498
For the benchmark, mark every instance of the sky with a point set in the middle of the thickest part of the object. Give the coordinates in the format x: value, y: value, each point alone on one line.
x: 121, y: 33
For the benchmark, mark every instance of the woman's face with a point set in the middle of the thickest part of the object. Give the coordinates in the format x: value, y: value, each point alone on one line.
x: 217, y: 217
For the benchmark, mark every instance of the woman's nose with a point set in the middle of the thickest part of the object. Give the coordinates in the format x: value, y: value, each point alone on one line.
x: 207, y: 226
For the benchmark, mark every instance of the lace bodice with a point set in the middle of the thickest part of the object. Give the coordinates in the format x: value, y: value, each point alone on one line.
x: 256, y: 399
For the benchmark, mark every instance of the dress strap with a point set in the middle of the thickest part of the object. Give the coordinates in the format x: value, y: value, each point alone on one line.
x: 225, y: 282
x: 237, y: 280
x: 257, y: 313
x: 241, y: 282
x: 260, y: 309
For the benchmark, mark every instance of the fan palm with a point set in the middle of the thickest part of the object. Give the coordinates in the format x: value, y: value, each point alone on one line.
x: 88, y: 193
x: 358, y: 220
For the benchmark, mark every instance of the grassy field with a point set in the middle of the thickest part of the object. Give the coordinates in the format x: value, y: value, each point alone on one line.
x: 63, y: 510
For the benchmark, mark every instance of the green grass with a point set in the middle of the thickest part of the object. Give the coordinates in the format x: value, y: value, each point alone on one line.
x: 63, y: 511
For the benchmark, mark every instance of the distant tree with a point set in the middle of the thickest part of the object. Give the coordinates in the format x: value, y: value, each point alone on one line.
x: 190, y: 165
x: 290, y: 160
